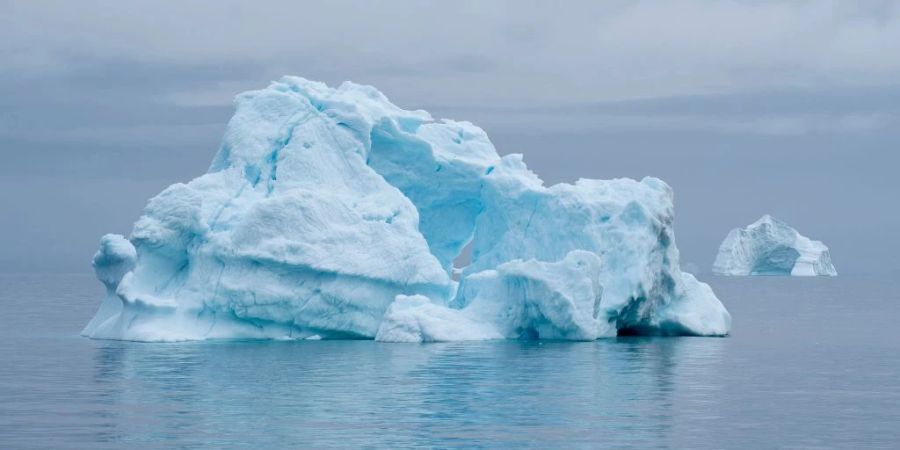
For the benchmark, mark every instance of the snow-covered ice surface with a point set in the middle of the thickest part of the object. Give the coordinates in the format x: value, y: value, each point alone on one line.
x: 332, y: 213
x: 771, y: 247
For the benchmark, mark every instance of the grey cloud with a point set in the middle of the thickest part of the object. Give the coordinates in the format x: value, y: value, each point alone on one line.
x: 781, y: 112
x: 535, y: 50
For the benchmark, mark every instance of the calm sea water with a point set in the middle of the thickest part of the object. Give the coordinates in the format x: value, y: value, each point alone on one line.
x: 812, y: 363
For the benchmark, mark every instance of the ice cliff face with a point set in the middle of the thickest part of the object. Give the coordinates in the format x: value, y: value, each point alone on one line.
x: 770, y: 247
x: 332, y: 213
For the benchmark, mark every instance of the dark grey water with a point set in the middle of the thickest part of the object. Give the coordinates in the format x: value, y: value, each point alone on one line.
x: 812, y: 363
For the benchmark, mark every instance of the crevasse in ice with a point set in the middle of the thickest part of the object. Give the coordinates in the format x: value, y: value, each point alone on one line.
x: 332, y: 213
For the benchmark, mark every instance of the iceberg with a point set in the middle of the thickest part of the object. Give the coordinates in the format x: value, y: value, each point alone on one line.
x: 331, y: 213
x: 771, y: 247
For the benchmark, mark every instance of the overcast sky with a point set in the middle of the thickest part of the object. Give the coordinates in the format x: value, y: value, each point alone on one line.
x: 745, y: 108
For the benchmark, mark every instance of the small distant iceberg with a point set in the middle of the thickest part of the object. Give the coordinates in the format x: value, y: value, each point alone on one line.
x: 771, y: 247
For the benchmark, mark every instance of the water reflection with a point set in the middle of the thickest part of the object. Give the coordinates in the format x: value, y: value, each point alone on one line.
x: 525, y: 394
x: 805, y: 367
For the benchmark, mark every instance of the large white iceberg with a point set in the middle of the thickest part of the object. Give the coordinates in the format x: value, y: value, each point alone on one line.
x: 771, y: 247
x: 332, y: 213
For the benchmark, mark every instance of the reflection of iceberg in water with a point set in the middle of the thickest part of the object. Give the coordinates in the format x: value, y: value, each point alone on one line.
x: 630, y: 389
x: 151, y: 389
x: 627, y: 391
x: 693, y: 387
